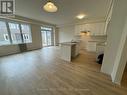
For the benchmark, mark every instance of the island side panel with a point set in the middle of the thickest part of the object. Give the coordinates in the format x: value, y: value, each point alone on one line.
x: 66, y: 52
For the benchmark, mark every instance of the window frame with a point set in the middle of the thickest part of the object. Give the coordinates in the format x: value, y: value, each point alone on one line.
x: 11, y: 34
x: 48, y: 29
x: 6, y: 33
x: 30, y: 28
x: 20, y: 30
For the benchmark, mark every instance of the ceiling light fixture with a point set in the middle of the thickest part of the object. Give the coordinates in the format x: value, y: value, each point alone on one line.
x: 87, y: 33
x: 50, y: 7
x: 80, y: 16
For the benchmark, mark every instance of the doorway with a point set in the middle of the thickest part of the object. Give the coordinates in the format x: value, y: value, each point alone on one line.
x: 46, y: 36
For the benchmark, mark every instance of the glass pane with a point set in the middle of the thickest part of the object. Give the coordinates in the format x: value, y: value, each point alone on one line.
x: 4, y: 38
x: 15, y: 33
x: 44, y: 38
x: 49, y: 38
x: 26, y: 32
x: 46, y: 28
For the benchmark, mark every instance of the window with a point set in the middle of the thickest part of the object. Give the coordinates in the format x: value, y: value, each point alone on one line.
x: 26, y: 32
x: 15, y: 33
x: 46, y: 28
x: 4, y: 37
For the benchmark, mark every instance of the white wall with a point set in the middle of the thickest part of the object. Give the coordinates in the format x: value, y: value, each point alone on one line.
x: 121, y: 58
x: 115, y: 30
x: 36, y: 37
x: 56, y: 36
x: 10, y: 49
x: 66, y: 33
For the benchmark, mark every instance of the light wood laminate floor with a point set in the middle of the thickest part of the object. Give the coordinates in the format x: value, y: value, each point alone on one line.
x: 42, y: 72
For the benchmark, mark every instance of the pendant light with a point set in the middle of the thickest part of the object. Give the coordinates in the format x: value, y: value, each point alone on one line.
x: 50, y: 7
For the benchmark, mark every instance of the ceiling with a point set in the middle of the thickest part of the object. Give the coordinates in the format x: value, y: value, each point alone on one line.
x: 67, y: 10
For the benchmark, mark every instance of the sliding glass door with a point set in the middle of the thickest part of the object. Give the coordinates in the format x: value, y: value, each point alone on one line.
x: 46, y: 36
x: 49, y: 38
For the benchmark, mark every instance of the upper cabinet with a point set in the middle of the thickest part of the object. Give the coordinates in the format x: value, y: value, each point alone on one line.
x: 79, y: 29
x: 96, y: 29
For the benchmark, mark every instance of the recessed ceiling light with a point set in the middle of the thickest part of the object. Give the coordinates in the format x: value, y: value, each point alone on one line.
x: 80, y: 16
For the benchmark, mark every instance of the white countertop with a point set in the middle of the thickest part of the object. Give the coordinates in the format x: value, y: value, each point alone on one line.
x: 68, y: 43
x: 97, y: 41
x: 102, y: 44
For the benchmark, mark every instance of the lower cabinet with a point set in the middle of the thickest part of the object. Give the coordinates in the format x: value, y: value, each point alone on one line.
x: 75, y: 50
x: 97, y: 47
x: 91, y: 46
x: 69, y: 50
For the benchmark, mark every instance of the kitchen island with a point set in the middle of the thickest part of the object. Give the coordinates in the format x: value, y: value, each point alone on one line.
x: 69, y: 50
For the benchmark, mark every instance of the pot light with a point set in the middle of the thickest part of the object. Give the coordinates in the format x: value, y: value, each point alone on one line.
x: 80, y: 16
x: 50, y: 7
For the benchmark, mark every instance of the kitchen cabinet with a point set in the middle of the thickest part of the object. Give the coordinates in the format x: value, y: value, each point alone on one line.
x: 91, y: 46
x: 79, y: 29
x: 77, y: 49
x: 96, y: 46
x: 96, y: 29
x: 69, y: 50
x: 100, y: 48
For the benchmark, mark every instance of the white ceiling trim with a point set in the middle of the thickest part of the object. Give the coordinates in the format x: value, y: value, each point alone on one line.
x: 86, y: 21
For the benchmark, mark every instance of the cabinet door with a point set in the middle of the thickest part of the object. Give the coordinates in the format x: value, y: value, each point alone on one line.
x: 91, y: 46
x: 97, y: 29
x: 100, y: 28
x: 77, y: 29
x: 87, y: 27
x: 82, y: 27
x: 92, y: 29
